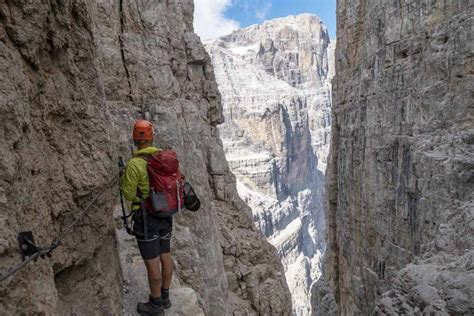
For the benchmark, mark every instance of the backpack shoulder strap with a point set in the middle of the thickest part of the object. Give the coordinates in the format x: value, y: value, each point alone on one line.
x: 145, y: 157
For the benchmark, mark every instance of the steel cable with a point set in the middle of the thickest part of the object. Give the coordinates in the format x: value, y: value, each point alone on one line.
x: 57, y: 241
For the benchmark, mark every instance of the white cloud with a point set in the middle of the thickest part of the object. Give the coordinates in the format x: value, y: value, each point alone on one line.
x: 209, y: 19
x: 261, y: 13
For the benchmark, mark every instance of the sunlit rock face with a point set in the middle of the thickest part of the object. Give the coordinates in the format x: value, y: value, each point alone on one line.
x: 75, y: 76
x: 400, y: 208
x: 275, y: 84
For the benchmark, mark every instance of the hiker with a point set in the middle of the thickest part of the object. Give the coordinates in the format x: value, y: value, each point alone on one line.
x: 153, y: 233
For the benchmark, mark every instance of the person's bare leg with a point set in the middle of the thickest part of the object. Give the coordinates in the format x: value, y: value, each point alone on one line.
x: 154, y: 276
x: 167, y: 269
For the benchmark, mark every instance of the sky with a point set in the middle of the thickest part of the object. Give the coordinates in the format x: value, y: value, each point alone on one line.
x: 215, y: 18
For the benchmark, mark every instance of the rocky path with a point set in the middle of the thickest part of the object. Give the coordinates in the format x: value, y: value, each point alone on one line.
x: 184, y: 299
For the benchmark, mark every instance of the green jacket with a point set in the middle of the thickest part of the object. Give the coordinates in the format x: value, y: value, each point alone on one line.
x: 136, y: 177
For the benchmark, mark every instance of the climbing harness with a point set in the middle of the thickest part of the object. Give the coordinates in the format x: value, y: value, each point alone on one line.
x: 30, y: 251
x: 124, y: 216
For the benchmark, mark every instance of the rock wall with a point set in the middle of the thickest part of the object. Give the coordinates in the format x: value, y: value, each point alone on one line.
x: 275, y: 82
x: 400, y: 175
x: 75, y: 76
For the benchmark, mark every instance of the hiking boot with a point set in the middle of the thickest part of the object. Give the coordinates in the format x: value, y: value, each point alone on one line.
x: 166, y: 303
x: 165, y: 296
x: 150, y: 309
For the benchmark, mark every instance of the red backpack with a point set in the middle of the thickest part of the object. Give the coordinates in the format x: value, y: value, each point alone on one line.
x: 166, y: 184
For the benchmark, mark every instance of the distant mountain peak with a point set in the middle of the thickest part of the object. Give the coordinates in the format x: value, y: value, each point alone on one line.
x: 274, y: 79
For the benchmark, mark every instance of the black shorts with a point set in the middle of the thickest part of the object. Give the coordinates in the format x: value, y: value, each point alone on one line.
x: 159, y: 235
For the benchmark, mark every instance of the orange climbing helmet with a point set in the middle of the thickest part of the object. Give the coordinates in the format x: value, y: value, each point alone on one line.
x: 142, y: 131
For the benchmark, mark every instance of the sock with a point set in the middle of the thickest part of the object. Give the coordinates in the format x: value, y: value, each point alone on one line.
x: 156, y: 301
x: 165, y: 293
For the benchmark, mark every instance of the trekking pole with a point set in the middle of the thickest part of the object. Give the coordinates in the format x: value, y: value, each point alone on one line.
x: 121, y: 165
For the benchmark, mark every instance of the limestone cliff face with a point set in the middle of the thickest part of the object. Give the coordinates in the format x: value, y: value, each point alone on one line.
x: 400, y: 174
x: 75, y: 75
x: 275, y: 82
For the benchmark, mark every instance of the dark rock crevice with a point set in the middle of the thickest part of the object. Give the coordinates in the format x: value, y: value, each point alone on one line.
x: 122, y: 49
